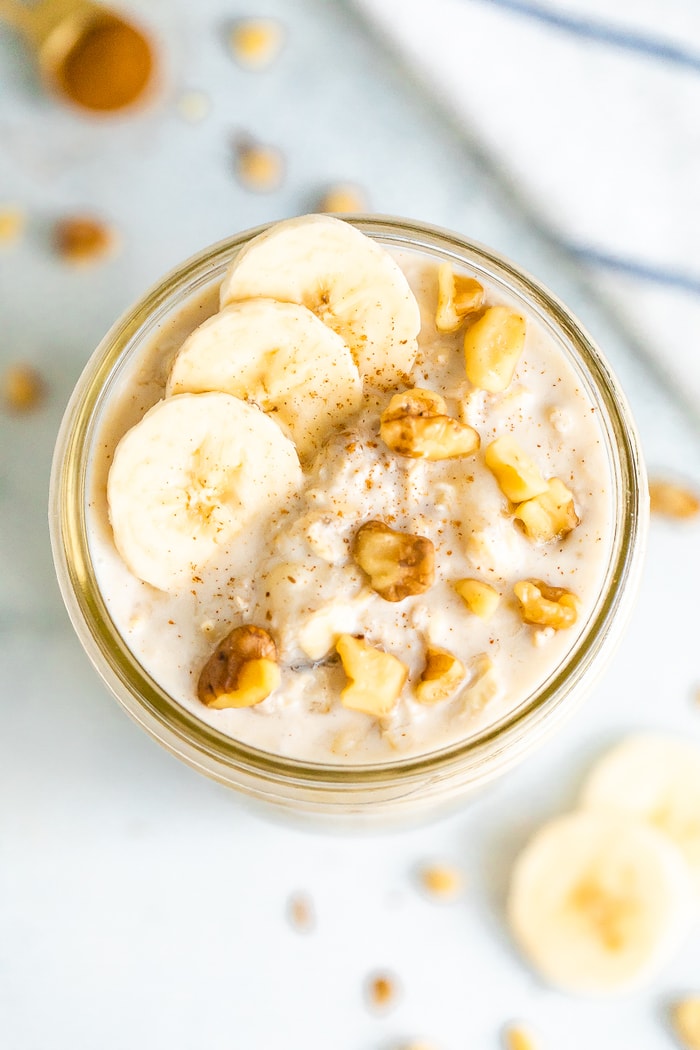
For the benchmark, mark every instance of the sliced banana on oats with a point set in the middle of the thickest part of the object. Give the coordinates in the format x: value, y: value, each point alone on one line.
x: 653, y: 777
x: 348, y: 280
x: 281, y: 357
x: 598, y: 902
x: 195, y: 472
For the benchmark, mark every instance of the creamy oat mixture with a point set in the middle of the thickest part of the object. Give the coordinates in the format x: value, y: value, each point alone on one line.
x: 297, y: 577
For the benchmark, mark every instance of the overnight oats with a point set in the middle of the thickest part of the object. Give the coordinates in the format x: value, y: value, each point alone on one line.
x: 357, y: 516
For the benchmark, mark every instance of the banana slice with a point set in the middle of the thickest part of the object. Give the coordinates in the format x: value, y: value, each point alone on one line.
x: 190, y: 476
x: 345, y: 278
x: 597, y: 902
x: 655, y: 778
x: 280, y: 356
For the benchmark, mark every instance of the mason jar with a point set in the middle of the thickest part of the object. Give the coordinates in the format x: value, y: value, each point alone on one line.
x: 402, y: 786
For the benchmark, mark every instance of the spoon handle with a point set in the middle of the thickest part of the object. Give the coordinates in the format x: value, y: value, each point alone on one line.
x: 17, y: 15
x: 39, y: 19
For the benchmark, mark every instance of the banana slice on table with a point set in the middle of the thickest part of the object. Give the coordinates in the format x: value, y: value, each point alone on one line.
x: 280, y: 356
x: 189, y: 477
x: 598, y: 902
x: 348, y: 280
x: 655, y: 778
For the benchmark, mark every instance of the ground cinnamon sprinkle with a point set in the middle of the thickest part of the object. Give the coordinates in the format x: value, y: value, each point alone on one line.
x: 108, y: 67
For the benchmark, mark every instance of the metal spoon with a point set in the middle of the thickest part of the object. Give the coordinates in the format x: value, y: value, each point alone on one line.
x: 90, y: 56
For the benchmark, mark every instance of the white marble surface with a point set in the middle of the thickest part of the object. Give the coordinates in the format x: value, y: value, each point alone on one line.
x: 589, y: 110
x: 140, y: 904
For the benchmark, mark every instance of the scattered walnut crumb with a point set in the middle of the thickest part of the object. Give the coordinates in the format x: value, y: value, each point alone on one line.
x: 442, y: 881
x: 258, y: 167
x: 382, y: 992
x: 685, y: 1017
x: 12, y: 224
x: 255, y: 43
x: 517, y: 1037
x: 342, y: 198
x: 672, y: 499
x: 82, y: 240
x: 300, y: 912
x: 23, y: 389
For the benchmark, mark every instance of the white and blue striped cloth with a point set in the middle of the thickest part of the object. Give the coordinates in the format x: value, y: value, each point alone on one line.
x: 592, y: 112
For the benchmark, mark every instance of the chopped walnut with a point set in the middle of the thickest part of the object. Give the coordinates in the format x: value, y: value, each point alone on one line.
x: 549, y: 515
x: 685, y: 1016
x: 517, y: 1037
x: 255, y: 43
x: 442, y: 881
x: 673, y: 500
x: 492, y: 348
x: 375, y: 678
x: 481, y: 598
x: 343, y: 198
x: 12, y: 223
x: 23, y: 389
x: 300, y: 912
x: 382, y: 991
x: 546, y: 606
x: 259, y: 167
x: 441, y: 675
x: 398, y: 564
x: 458, y: 296
x: 518, y: 476
x: 415, y: 424
x: 242, y: 671
x: 82, y: 240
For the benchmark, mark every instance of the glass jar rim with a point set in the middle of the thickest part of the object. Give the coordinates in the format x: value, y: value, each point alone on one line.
x: 200, y: 744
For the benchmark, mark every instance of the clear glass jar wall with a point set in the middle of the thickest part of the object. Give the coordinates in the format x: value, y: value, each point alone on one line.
x: 401, y: 787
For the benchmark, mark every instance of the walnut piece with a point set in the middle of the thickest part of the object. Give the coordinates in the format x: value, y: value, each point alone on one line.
x: 550, y: 514
x: 458, y: 296
x: 546, y: 606
x: 376, y: 677
x: 342, y: 198
x: 398, y: 564
x: 12, y: 223
x: 82, y: 240
x: 256, y: 42
x: 441, y: 675
x: 673, y: 500
x: 516, y: 1037
x: 518, y: 476
x: 300, y: 912
x: 382, y: 991
x: 415, y: 424
x: 442, y: 881
x: 481, y: 598
x: 492, y: 348
x: 23, y: 389
x: 259, y: 167
x: 242, y: 671
x: 685, y: 1015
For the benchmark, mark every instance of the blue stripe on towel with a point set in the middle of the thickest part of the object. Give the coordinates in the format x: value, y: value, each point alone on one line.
x: 658, y: 275
x: 602, y: 32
